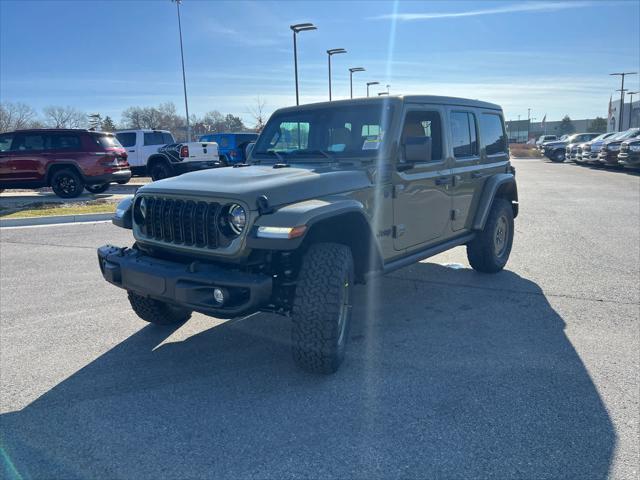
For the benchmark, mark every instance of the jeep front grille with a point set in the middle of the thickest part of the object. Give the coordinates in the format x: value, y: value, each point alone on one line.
x: 182, y: 222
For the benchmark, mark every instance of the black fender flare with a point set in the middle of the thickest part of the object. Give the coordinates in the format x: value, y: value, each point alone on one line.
x: 503, y: 185
x: 58, y: 165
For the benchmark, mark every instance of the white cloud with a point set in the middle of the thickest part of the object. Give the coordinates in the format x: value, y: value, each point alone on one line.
x: 511, y: 8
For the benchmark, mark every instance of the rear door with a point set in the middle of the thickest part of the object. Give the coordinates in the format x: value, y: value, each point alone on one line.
x: 422, y: 201
x: 465, y: 161
x: 131, y: 143
x: 152, y: 141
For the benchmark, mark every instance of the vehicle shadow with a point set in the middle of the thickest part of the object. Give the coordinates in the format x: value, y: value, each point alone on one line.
x: 449, y: 373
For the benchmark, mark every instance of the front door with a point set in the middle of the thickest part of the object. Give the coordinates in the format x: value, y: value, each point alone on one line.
x: 27, y: 156
x: 422, y: 201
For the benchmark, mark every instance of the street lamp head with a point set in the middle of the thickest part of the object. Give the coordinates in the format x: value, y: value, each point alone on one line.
x: 302, y: 27
x: 334, y: 51
x: 383, y: 93
x: 624, y: 73
x: 356, y: 69
x: 373, y: 83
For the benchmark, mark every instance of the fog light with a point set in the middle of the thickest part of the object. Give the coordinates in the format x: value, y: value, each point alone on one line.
x: 219, y: 296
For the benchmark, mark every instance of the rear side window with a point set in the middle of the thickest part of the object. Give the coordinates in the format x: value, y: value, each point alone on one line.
x: 463, y: 132
x: 107, y: 141
x: 127, y: 139
x: 5, y: 142
x: 65, y: 141
x: 492, y: 134
x: 29, y: 142
x: 157, y: 138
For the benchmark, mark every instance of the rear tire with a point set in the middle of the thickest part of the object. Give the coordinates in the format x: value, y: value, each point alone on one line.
x: 99, y: 188
x: 558, y: 156
x: 67, y: 183
x: 159, y: 170
x: 157, y: 312
x: 489, y: 251
x: 321, y: 314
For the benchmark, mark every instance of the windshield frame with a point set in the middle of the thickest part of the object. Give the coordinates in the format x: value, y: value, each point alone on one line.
x: 311, y: 154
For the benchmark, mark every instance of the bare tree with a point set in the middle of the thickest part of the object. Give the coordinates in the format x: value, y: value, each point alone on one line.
x: 64, y: 117
x: 258, y: 114
x: 15, y: 116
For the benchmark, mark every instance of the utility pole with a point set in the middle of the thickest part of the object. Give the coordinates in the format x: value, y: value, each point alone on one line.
x: 621, y: 116
x: 184, y: 78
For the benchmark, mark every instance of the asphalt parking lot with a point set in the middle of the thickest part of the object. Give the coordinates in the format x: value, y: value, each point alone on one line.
x: 530, y: 373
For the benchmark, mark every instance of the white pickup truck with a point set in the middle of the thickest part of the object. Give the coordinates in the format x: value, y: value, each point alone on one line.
x: 156, y: 153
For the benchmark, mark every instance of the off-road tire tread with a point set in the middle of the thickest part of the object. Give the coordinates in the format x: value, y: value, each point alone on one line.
x: 316, y: 307
x: 157, y: 312
x: 480, y: 251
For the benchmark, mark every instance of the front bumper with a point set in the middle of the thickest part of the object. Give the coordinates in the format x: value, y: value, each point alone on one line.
x: 188, y: 285
x: 629, y: 159
x: 609, y: 158
x: 184, y: 167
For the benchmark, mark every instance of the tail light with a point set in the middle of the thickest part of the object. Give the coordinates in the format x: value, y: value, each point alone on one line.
x: 184, y: 151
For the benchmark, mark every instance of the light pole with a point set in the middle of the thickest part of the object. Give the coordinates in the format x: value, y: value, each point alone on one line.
x: 631, y: 94
x: 388, y: 89
x: 528, y: 123
x: 369, y: 84
x: 330, y: 53
x: 184, y: 78
x: 300, y: 27
x: 351, y: 70
x: 622, y: 74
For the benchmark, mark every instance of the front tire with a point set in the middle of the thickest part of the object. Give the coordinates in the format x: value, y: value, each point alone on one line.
x: 489, y: 251
x: 67, y: 183
x: 99, y: 188
x: 157, y: 312
x: 558, y: 156
x: 321, y: 313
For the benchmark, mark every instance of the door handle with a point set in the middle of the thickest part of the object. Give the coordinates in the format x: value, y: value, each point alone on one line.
x: 443, y: 181
x: 477, y: 175
x: 131, y: 151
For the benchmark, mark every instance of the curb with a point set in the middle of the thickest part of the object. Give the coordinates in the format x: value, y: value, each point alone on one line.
x: 55, y: 219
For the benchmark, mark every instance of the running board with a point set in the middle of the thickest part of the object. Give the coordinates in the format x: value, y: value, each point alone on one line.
x: 426, y: 253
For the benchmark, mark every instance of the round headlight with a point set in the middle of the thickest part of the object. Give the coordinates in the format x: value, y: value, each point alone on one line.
x: 237, y: 218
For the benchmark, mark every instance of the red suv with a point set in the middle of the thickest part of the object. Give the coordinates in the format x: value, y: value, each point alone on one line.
x: 65, y: 160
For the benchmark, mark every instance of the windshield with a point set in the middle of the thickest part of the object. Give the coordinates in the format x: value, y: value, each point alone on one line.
x: 328, y: 133
x: 627, y: 134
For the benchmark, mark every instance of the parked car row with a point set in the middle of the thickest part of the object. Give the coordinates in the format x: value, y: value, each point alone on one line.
x: 607, y: 149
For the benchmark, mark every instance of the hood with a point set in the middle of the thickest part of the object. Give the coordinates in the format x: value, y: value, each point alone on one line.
x: 279, y: 185
x: 554, y: 144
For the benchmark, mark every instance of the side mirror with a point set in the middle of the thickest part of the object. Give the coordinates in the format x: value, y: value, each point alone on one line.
x: 122, y: 216
x: 417, y: 149
x: 249, y: 149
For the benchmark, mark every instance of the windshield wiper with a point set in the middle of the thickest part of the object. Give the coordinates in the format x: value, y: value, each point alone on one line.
x: 315, y: 152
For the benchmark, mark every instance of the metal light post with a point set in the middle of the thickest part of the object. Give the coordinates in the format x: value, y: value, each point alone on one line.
x: 184, y: 78
x: 330, y: 53
x: 528, y: 123
x: 351, y: 70
x: 300, y: 27
x: 621, y: 116
x: 388, y: 89
x: 631, y: 94
x: 369, y: 84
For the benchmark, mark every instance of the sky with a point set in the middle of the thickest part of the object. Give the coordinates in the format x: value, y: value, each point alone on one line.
x: 104, y: 56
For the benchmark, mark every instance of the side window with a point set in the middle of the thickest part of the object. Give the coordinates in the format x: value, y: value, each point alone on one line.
x: 167, y: 138
x: 425, y: 124
x: 65, y: 142
x: 153, y: 138
x: 127, y: 139
x: 224, y: 142
x: 492, y: 134
x: 463, y: 132
x: 29, y: 142
x: 5, y: 142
